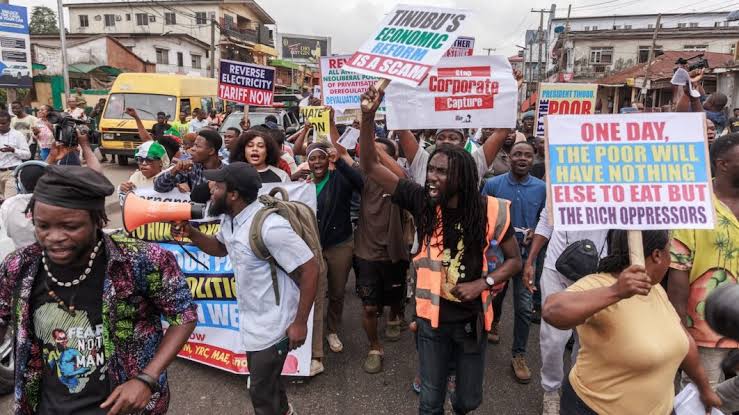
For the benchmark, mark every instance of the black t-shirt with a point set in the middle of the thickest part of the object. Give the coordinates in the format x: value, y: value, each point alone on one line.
x: 463, y: 265
x: 734, y: 124
x: 539, y: 170
x: 158, y: 130
x: 75, y: 378
x: 268, y: 176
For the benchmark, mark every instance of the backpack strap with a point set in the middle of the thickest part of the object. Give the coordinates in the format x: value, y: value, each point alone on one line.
x: 260, y: 249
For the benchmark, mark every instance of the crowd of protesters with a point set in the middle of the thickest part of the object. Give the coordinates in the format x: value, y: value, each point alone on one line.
x: 457, y: 217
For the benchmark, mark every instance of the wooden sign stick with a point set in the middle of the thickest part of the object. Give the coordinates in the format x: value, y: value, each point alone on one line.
x: 636, y: 248
x: 380, y: 85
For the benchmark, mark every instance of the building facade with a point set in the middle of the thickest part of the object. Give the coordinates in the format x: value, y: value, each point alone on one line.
x: 238, y: 28
x: 597, y: 46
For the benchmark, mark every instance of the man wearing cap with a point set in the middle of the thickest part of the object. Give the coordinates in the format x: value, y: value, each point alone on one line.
x: 93, y: 298
x: 204, y: 155
x: 151, y: 158
x: 268, y: 330
x: 13, y: 151
x: 527, y: 124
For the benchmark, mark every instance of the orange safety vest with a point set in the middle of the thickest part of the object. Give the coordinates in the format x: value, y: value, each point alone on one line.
x: 428, y: 264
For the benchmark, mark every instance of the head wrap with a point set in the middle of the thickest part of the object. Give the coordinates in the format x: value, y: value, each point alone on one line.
x: 73, y: 187
x: 151, y: 150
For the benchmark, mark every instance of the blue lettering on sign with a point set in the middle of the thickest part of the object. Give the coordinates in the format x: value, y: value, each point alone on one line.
x: 216, y: 265
x: 13, y: 19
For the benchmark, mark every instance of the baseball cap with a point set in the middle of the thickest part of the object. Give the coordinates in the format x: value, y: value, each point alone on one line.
x: 239, y: 175
x: 528, y: 114
x: 271, y: 125
x: 151, y: 150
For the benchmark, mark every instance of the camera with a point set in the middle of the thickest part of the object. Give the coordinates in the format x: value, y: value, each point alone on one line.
x: 66, y: 129
x: 699, y: 63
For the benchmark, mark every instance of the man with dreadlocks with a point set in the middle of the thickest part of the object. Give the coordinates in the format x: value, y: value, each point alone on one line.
x: 456, y: 226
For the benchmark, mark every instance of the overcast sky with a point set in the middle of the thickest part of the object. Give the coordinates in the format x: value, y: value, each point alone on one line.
x: 498, y: 24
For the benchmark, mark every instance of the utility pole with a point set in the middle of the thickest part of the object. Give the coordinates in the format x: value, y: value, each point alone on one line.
x: 489, y: 50
x: 546, y: 39
x: 63, y: 40
x: 562, y: 63
x: 540, y: 40
x: 212, y: 46
x: 648, y: 68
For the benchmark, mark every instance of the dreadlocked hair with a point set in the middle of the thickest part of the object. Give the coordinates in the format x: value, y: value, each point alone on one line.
x: 618, y: 248
x: 462, y: 171
x: 98, y: 216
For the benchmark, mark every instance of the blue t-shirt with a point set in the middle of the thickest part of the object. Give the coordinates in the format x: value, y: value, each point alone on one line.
x: 527, y: 197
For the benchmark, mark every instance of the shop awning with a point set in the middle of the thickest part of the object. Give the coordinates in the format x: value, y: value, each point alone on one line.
x: 38, y: 66
x: 259, y: 48
x: 284, y: 64
x: 87, y: 68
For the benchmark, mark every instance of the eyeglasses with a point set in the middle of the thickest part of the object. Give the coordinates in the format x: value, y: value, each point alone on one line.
x: 145, y: 160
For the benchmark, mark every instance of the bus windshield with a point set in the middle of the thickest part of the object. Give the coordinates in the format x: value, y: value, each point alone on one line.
x: 146, y: 105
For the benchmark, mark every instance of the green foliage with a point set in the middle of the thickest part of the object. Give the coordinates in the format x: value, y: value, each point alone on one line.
x: 43, y: 21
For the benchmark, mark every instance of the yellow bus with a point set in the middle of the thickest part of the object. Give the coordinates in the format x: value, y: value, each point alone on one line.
x: 148, y: 94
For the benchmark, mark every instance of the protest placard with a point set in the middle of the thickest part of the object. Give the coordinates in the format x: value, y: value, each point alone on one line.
x: 343, y: 89
x: 216, y: 341
x: 349, y: 139
x: 320, y: 119
x: 463, y: 46
x: 246, y: 83
x: 408, y: 43
x: 631, y: 171
x: 564, y: 99
x: 467, y: 92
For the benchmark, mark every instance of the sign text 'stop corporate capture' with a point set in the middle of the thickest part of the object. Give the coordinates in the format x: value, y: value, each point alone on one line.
x: 408, y: 43
x: 246, y: 83
x: 636, y: 171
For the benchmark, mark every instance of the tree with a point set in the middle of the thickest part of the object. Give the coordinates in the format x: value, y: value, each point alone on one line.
x: 43, y: 21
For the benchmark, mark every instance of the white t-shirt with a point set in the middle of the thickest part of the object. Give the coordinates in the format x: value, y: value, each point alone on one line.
x: 263, y: 323
x: 196, y: 125
x: 15, y: 222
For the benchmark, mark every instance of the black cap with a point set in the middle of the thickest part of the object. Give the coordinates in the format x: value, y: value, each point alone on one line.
x: 239, y: 175
x: 73, y: 187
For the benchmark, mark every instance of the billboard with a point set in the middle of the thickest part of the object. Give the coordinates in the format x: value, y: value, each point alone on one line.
x: 15, y: 47
x: 305, y: 48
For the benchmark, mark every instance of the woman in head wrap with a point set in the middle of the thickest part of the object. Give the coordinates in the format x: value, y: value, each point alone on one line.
x: 152, y: 159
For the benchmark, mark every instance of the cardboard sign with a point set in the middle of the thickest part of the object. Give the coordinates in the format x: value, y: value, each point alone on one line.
x: 470, y: 92
x: 216, y: 341
x: 629, y: 171
x: 408, y: 43
x: 349, y: 139
x: 463, y: 46
x: 564, y: 99
x: 246, y: 83
x: 320, y: 119
x: 343, y: 89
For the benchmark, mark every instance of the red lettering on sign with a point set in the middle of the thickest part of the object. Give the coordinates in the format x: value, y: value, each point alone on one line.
x: 465, y: 72
x: 467, y: 102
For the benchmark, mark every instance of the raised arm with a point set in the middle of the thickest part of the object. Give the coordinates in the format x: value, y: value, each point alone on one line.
x: 408, y: 144
x: 90, y: 159
x: 299, y: 144
x: 566, y: 310
x: 493, y: 144
x: 145, y: 136
x: 368, y: 158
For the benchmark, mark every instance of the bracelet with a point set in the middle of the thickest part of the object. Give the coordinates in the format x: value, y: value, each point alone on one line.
x: 149, y: 381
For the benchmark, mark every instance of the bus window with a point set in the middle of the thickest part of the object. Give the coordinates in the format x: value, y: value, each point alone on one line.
x: 185, y: 106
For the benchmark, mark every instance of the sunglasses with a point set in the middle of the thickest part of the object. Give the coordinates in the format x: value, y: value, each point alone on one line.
x: 145, y: 160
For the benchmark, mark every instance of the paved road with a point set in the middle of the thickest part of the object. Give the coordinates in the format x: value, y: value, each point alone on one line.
x: 344, y: 388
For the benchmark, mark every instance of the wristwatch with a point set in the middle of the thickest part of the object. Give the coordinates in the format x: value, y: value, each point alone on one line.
x: 489, y: 281
x: 148, y: 381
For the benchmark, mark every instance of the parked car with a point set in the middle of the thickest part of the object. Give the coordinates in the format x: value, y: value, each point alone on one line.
x: 17, y: 71
x: 286, y: 120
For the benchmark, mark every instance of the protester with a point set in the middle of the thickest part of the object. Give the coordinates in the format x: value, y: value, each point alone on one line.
x: 381, y: 257
x: 13, y: 151
x: 268, y: 330
x: 80, y: 98
x: 528, y: 196
x: 631, y: 340
x: 528, y: 123
x: 198, y: 121
x: 702, y: 259
x: 285, y: 151
x: 14, y: 220
x: 734, y: 122
x: 161, y: 126
x: 230, y: 138
x: 181, y: 124
x: 190, y: 172
x: 151, y: 159
x: 714, y: 109
x: 553, y: 341
x: 258, y: 148
x: 44, y: 132
x: 710, y: 132
x: 87, y: 307
x: 65, y: 155
x: 538, y: 170
x: 451, y: 215
x: 188, y: 141
x: 25, y: 124
x: 75, y: 109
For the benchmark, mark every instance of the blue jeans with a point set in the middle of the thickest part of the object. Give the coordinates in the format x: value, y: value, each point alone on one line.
x: 539, y: 267
x: 522, y: 308
x: 454, y: 342
x: 44, y: 153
